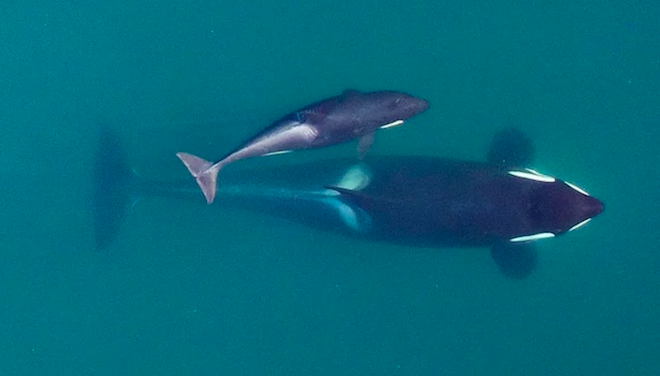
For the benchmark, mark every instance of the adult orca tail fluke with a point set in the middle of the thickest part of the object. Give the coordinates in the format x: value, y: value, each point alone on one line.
x: 114, y: 185
x: 205, y: 172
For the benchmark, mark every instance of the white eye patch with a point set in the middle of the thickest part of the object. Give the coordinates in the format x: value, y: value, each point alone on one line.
x: 529, y: 238
x: 530, y: 174
x: 577, y: 188
x: 392, y: 124
x: 580, y: 224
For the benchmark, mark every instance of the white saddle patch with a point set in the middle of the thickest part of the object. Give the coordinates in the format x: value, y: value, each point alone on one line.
x: 355, y: 219
x: 356, y: 178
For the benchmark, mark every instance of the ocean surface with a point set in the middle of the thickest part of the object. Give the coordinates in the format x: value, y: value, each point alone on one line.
x: 191, y: 289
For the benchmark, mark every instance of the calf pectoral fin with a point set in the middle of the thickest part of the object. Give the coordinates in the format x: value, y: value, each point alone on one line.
x: 515, y: 260
x: 365, y: 144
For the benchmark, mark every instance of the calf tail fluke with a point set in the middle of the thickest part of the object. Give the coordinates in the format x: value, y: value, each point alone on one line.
x: 205, y: 172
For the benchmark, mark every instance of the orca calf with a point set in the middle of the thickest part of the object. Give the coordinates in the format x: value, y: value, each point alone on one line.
x: 417, y: 201
x: 351, y: 115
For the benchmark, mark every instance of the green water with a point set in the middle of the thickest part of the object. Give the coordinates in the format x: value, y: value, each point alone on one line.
x: 194, y: 290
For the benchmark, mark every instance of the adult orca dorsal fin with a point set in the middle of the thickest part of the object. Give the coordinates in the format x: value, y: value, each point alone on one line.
x: 515, y: 260
x: 511, y: 148
x: 347, y: 193
x: 357, y: 197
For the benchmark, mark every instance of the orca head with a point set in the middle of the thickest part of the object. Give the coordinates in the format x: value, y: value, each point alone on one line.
x: 558, y: 207
x: 392, y: 108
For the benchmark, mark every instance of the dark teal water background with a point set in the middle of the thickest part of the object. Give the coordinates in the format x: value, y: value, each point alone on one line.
x: 194, y: 290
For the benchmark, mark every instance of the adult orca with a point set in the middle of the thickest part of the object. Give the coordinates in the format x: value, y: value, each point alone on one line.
x: 338, y: 119
x: 407, y: 200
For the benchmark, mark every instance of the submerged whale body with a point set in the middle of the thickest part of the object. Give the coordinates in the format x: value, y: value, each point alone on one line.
x: 413, y: 201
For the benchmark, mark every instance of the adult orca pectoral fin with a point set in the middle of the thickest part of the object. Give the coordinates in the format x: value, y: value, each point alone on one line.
x: 205, y: 172
x: 365, y: 144
x: 515, y: 260
x: 511, y: 148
